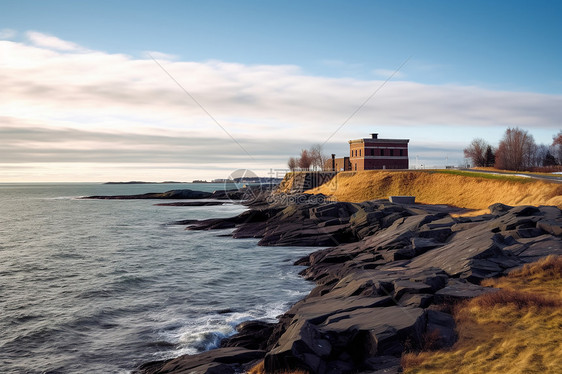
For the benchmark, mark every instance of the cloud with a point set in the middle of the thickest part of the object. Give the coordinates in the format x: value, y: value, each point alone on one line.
x: 63, y: 103
x: 7, y: 33
x: 52, y: 42
x: 387, y: 73
x: 160, y: 55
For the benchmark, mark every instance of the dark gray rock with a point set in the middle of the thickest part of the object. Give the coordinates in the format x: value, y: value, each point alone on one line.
x: 422, y: 245
x: 217, y: 361
x: 382, y: 365
x: 533, y: 249
x: 551, y: 226
x: 172, y: 194
x: 357, y: 335
x: 440, y: 330
x: 499, y: 209
x: 455, y: 258
x: 416, y: 300
x: 402, y: 199
x: 252, y: 335
x: 402, y: 287
x: 457, y: 290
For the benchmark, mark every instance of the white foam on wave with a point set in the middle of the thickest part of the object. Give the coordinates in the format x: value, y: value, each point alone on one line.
x: 206, y: 332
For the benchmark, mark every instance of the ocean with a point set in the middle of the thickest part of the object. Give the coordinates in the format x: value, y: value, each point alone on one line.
x: 101, y: 286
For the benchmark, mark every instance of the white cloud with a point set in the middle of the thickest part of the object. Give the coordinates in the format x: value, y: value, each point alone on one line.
x: 160, y: 56
x: 133, y: 112
x: 52, y: 42
x: 7, y: 33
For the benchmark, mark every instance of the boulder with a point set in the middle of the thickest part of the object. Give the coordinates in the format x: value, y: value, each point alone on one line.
x: 440, y: 330
x: 251, y: 335
x: 553, y: 227
x: 402, y: 199
x: 351, y: 337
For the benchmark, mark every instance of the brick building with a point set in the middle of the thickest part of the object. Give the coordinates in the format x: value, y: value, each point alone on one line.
x: 338, y: 164
x: 374, y: 153
x: 371, y: 154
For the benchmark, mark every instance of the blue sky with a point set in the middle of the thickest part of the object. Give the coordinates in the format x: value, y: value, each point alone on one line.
x: 277, y: 75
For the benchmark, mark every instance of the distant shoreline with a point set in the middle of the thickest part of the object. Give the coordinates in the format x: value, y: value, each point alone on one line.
x: 141, y: 182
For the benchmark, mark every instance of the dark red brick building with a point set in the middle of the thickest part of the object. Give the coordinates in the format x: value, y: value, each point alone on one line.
x: 371, y: 154
x: 374, y: 153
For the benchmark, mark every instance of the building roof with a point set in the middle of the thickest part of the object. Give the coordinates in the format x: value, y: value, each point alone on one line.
x: 370, y: 140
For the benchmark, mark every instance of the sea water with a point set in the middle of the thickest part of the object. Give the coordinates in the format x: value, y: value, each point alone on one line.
x: 104, y: 285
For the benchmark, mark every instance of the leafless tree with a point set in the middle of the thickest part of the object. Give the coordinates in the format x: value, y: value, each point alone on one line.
x: 305, y: 160
x: 516, y: 150
x: 318, y: 157
x: 476, y: 152
x: 541, y: 155
x: 557, y: 147
x: 292, y: 163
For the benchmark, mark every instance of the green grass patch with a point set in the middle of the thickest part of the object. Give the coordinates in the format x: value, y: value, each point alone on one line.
x: 471, y: 174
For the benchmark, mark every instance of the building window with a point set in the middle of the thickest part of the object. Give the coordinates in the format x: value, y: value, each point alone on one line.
x: 372, y: 152
x: 401, y: 152
x: 392, y: 152
x: 382, y: 152
x: 359, y: 153
x: 356, y: 166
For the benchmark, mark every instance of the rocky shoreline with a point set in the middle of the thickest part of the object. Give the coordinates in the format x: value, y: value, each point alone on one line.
x: 384, y: 285
x: 186, y: 194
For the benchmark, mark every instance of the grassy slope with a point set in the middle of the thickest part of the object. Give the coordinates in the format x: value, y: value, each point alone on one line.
x: 516, y: 330
x: 472, y: 191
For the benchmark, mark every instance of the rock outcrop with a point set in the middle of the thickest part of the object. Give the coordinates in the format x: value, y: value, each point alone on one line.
x: 384, y: 284
x: 244, y: 193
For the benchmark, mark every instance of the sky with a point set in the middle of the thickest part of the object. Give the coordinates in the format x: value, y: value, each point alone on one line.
x: 183, y: 90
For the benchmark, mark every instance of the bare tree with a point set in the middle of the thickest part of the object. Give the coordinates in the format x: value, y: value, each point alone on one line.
x: 305, y: 160
x: 318, y: 157
x: 541, y: 155
x: 516, y: 150
x: 292, y: 163
x: 557, y: 147
x: 476, y: 151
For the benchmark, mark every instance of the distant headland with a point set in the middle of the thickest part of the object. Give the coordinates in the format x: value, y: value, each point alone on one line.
x: 142, y: 182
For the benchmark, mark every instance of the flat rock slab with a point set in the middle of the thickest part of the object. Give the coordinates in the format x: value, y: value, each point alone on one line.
x: 458, y: 290
x: 216, y: 361
x: 361, y: 334
x: 402, y: 199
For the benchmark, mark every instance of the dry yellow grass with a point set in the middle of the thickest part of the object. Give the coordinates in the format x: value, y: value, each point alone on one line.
x: 516, y: 330
x: 260, y: 369
x: 436, y: 188
x: 541, y: 278
x: 287, y: 183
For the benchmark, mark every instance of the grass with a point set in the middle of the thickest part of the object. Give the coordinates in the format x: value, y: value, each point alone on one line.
x: 472, y: 174
x: 546, y: 170
x: 515, y: 330
x: 260, y: 369
x: 444, y: 187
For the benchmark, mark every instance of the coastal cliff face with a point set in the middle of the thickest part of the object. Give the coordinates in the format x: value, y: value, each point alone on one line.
x: 385, y: 284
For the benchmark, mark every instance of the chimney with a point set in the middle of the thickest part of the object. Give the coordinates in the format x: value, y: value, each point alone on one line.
x: 374, y: 136
x: 333, y: 162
